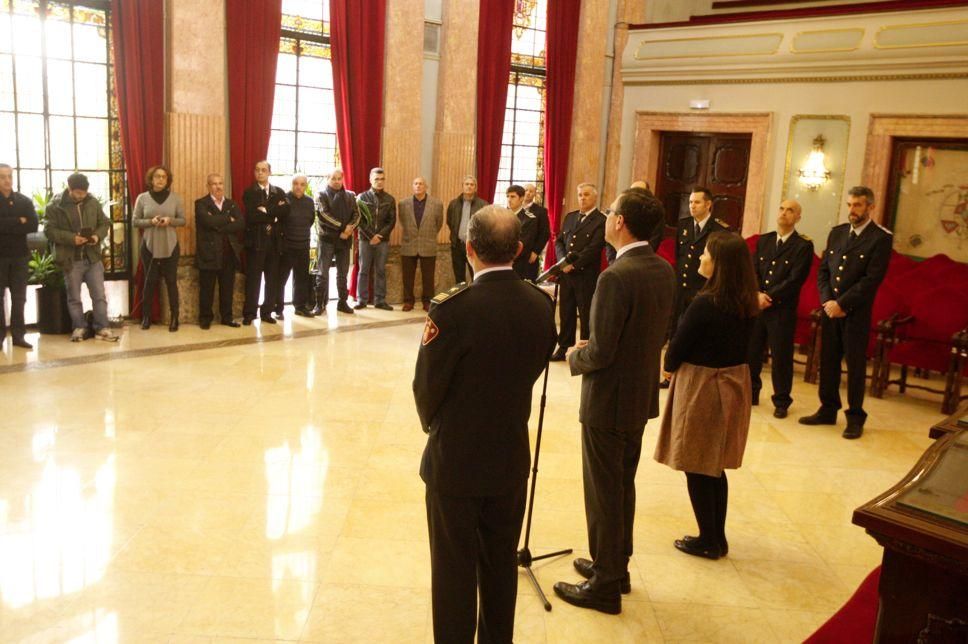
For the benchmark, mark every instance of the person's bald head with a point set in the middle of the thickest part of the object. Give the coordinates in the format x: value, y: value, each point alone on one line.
x: 493, y: 237
x: 641, y: 185
x: 788, y: 216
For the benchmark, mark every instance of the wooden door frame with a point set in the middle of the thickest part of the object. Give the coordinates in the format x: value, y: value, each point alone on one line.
x: 649, y: 127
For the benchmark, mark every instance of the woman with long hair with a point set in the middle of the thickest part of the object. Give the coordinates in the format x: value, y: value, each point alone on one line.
x: 707, y: 413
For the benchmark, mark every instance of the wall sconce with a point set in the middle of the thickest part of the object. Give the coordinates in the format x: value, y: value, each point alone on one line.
x: 814, y: 174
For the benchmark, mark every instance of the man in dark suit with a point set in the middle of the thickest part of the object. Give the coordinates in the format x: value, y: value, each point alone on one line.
x: 851, y: 269
x: 619, y: 365
x: 582, y: 232
x: 691, y: 235
x: 484, y: 346
x: 655, y: 237
x: 459, y: 213
x: 218, y: 252
x: 265, y: 207
x: 526, y: 263
x: 544, y: 226
x: 782, y: 263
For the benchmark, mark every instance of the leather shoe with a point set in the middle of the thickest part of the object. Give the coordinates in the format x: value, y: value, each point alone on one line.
x: 383, y: 306
x: 173, y: 325
x: 559, y: 355
x: 664, y: 384
x: 343, y: 307
x: 583, y: 596
x: 233, y: 324
x: 304, y: 313
x: 584, y: 568
x: 204, y: 326
x: 854, y: 430
x: 23, y: 344
x: 723, y: 545
x: 247, y: 321
x: 268, y: 319
x: 695, y: 548
x: 819, y: 418
x: 780, y: 412
x: 408, y: 307
x: 360, y: 305
x: 146, y: 323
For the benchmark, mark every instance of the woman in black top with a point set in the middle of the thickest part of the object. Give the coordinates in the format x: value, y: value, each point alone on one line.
x: 707, y: 413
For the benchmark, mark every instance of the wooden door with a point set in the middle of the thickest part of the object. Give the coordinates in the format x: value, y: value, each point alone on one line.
x: 719, y: 162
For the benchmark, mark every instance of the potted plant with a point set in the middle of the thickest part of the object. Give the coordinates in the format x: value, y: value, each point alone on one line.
x: 38, y: 241
x: 52, y: 313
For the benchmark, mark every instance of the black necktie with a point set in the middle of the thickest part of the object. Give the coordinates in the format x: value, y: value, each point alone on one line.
x: 853, y: 236
x: 697, y: 232
x: 779, y: 243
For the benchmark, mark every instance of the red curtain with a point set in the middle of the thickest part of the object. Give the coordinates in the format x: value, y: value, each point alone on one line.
x: 562, y: 51
x: 358, y: 35
x: 493, y: 72
x: 139, y: 75
x: 252, y: 32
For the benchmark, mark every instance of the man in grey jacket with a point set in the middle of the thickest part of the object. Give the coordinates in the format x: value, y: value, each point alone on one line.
x: 619, y: 365
x: 77, y: 226
x: 375, y: 241
x: 421, y: 217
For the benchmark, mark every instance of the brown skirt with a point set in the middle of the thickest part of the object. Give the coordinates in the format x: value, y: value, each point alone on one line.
x: 706, y: 419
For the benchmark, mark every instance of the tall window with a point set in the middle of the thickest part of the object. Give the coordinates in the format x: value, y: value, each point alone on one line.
x: 58, y: 110
x: 303, y: 136
x: 522, y: 148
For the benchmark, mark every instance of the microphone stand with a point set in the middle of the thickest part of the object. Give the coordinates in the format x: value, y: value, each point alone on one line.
x: 525, y: 558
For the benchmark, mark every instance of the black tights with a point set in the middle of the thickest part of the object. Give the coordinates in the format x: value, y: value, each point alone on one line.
x: 709, y: 495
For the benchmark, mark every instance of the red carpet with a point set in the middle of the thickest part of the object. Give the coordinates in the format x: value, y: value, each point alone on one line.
x: 855, y: 620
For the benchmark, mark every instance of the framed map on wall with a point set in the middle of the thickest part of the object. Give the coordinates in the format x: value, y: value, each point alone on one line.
x: 928, y: 197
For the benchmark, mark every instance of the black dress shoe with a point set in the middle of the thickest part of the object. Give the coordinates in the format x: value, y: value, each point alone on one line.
x: 173, y: 325
x: 383, y: 306
x: 145, y: 323
x: 583, y: 596
x: 268, y: 319
x: 723, y: 545
x: 854, y: 430
x: 23, y: 344
x: 360, y: 305
x: 819, y: 418
x: 696, y: 548
x: 664, y: 384
x: 204, y: 326
x: 233, y: 323
x: 280, y: 315
x: 304, y: 313
x: 584, y: 568
x: 780, y: 412
x: 247, y: 321
x: 343, y: 307
x: 559, y: 355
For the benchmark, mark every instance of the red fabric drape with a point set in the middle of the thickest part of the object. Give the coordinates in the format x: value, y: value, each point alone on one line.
x: 252, y: 32
x: 358, y: 34
x: 493, y: 72
x: 139, y: 75
x: 562, y: 51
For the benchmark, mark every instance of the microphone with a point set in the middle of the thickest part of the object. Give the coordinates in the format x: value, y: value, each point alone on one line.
x: 555, y: 270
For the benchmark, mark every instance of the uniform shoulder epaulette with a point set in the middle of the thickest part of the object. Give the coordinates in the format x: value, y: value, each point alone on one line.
x: 723, y: 224
x: 540, y: 290
x: 805, y: 237
x: 886, y: 230
x: 529, y: 214
x: 449, y: 294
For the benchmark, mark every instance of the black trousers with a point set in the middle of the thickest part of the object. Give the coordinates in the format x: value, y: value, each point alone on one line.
x: 13, y: 275
x: 709, y: 496
x: 575, y: 301
x: 259, y: 265
x: 156, y: 269
x: 408, y: 265
x: 610, y: 458
x: 473, y: 547
x: 774, y: 328
x: 225, y: 277
x: 326, y: 252
x: 458, y: 259
x: 526, y: 270
x: 296, y: 262
x: 844, y: 339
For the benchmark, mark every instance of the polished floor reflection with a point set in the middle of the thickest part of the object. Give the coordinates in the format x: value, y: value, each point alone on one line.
x: 268, y: 490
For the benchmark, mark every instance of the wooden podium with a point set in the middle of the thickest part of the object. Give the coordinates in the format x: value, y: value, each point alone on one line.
x: 922, y: 523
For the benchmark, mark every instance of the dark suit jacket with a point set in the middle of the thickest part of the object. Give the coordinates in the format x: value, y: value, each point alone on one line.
x: 484, y: 346
x: 262, y: 228
x: 782, y: 272
x: 455, y: 209
x: 689, y: 248
x: 212, y: 228
x: 620, y: 365
x: 851, y: 272
x: 587, y: 238
x: 530, y: 230
x: 544, y: 228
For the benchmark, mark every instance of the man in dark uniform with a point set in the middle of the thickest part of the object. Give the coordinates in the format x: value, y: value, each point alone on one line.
x: 691, y: 235
x: 782, y: 263
x: 265, y: 207
x: 619, y: 366
x: 582, y: 232
x: 852, y: 267
x: 544, y: 226
x: 484, y: 346
x: 18, y: 218
x: 526, y: 263
x: 218, y: 252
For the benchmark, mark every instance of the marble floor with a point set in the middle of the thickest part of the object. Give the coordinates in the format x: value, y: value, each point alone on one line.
x: 261, y: 484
